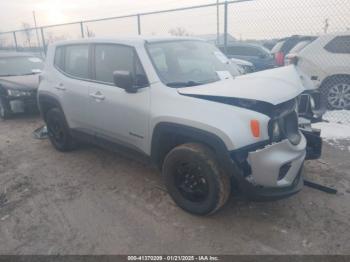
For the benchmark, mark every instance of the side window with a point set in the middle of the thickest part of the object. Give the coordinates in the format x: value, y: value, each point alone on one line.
x: 112, y: 57
x: 339, y: 45
x: 234, y: 50
x: 77, y: 61
x: 58, y: 62
x: 243, y: 51
x: 251, y: 51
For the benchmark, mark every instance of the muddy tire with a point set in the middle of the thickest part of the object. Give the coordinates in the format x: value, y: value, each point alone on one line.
x: 336, y: 93
x: 5, y: 111
x: 195, y: 180
x: 58, y: 131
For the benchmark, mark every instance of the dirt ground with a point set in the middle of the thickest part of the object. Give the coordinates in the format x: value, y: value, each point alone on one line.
x: 92, y: 201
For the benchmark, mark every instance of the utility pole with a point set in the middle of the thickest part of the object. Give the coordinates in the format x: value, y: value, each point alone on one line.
x: 326, y: 25
x: 217, y: 22
x: 36, y: 29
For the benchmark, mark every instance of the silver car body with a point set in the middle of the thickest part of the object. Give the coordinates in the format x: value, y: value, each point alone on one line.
x: 130, y: 118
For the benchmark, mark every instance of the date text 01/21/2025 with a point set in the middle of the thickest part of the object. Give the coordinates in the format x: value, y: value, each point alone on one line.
x: 173, y: 258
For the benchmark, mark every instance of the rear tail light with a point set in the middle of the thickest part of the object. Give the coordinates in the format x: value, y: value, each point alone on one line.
x: 279, y: 58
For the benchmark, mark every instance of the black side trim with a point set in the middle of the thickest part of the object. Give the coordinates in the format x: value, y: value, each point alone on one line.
x: 255, y: 105
x: 108, y: 144
x: 313, y: 144
x: 44, y: 101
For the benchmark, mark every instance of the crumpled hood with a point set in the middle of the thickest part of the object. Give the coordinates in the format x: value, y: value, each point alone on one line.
x: 274, y: 86
x: 27, y: 82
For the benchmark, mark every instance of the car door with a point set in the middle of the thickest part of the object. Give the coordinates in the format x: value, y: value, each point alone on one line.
x: 118, y: 116
x: 72, y: 84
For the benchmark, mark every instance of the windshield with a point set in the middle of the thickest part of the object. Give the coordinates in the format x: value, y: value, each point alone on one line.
x: 20, y: 65
x: 183, y: 63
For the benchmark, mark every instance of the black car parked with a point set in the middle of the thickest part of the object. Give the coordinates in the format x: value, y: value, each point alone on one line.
x: 258, y: 55
x: 19, y: 80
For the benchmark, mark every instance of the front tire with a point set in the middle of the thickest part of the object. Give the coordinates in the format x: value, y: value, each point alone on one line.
x: 58, y: 131
x: 336, y: 93
x: 195, y: 180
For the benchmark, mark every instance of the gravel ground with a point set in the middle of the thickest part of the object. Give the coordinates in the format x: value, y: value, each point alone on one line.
x: 92, y: 201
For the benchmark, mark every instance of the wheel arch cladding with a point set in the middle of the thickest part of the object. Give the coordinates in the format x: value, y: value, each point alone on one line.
x: 331, y: 78
x: 46, y: 103
x: 167, y: 135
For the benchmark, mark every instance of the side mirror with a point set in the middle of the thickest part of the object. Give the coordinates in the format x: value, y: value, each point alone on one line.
x: 125, y: 80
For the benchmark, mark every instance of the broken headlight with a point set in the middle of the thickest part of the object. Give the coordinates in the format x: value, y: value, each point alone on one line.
x: 274, y: 130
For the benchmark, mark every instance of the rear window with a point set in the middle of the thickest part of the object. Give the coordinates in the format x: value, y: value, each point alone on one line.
x: 277, y: 48
x: 300, y: 46
x: 244, y: 51
x: 339, y: 45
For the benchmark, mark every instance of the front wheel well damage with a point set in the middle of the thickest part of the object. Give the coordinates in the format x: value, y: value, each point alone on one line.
x: 167, y: 136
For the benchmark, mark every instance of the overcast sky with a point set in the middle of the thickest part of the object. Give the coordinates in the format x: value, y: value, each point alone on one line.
x: 257, y: 19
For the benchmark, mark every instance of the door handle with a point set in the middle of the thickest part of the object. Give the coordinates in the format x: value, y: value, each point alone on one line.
x: 60, y: 87
x: 98, y: 96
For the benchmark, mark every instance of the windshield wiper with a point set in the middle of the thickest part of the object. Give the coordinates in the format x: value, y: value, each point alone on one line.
x: 184, y: 84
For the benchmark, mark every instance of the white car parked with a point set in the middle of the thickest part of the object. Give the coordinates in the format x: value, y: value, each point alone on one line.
x: 326, y: 61
x: 180, y: 102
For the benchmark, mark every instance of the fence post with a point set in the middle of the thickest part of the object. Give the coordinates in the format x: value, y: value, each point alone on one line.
x: 82, y: 29
x: 139, y: 24
x: 15, y: 39
x: 43, y: 38
x: 225, y: 26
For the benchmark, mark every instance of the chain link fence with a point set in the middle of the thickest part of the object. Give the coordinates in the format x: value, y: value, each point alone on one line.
x: 244, y: 22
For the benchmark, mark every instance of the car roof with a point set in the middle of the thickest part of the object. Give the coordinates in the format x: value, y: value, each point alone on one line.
x: 14, y: 54
x: 344, y: 33
x: 242, y: 44
x: 138, y: 40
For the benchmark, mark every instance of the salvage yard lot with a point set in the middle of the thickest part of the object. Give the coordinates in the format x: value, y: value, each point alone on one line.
x: 93, y: 201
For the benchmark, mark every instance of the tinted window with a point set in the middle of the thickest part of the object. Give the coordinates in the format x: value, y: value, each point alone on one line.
x: 110, y: 58
x: 339, y: 45
x: 244, y: 50
x: 277, y: 47
x: 59, y: 58
x: 77, y: 61
x: 300, y: 46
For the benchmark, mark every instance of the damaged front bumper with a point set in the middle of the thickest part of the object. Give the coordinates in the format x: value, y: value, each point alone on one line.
x: 274, y: 171
x: 277, y: 165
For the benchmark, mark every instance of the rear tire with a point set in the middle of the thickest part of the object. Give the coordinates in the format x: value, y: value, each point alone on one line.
x: 195, y: 180
x: 58, y: 131
x: 5, y: 111
x: 336, y: 93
